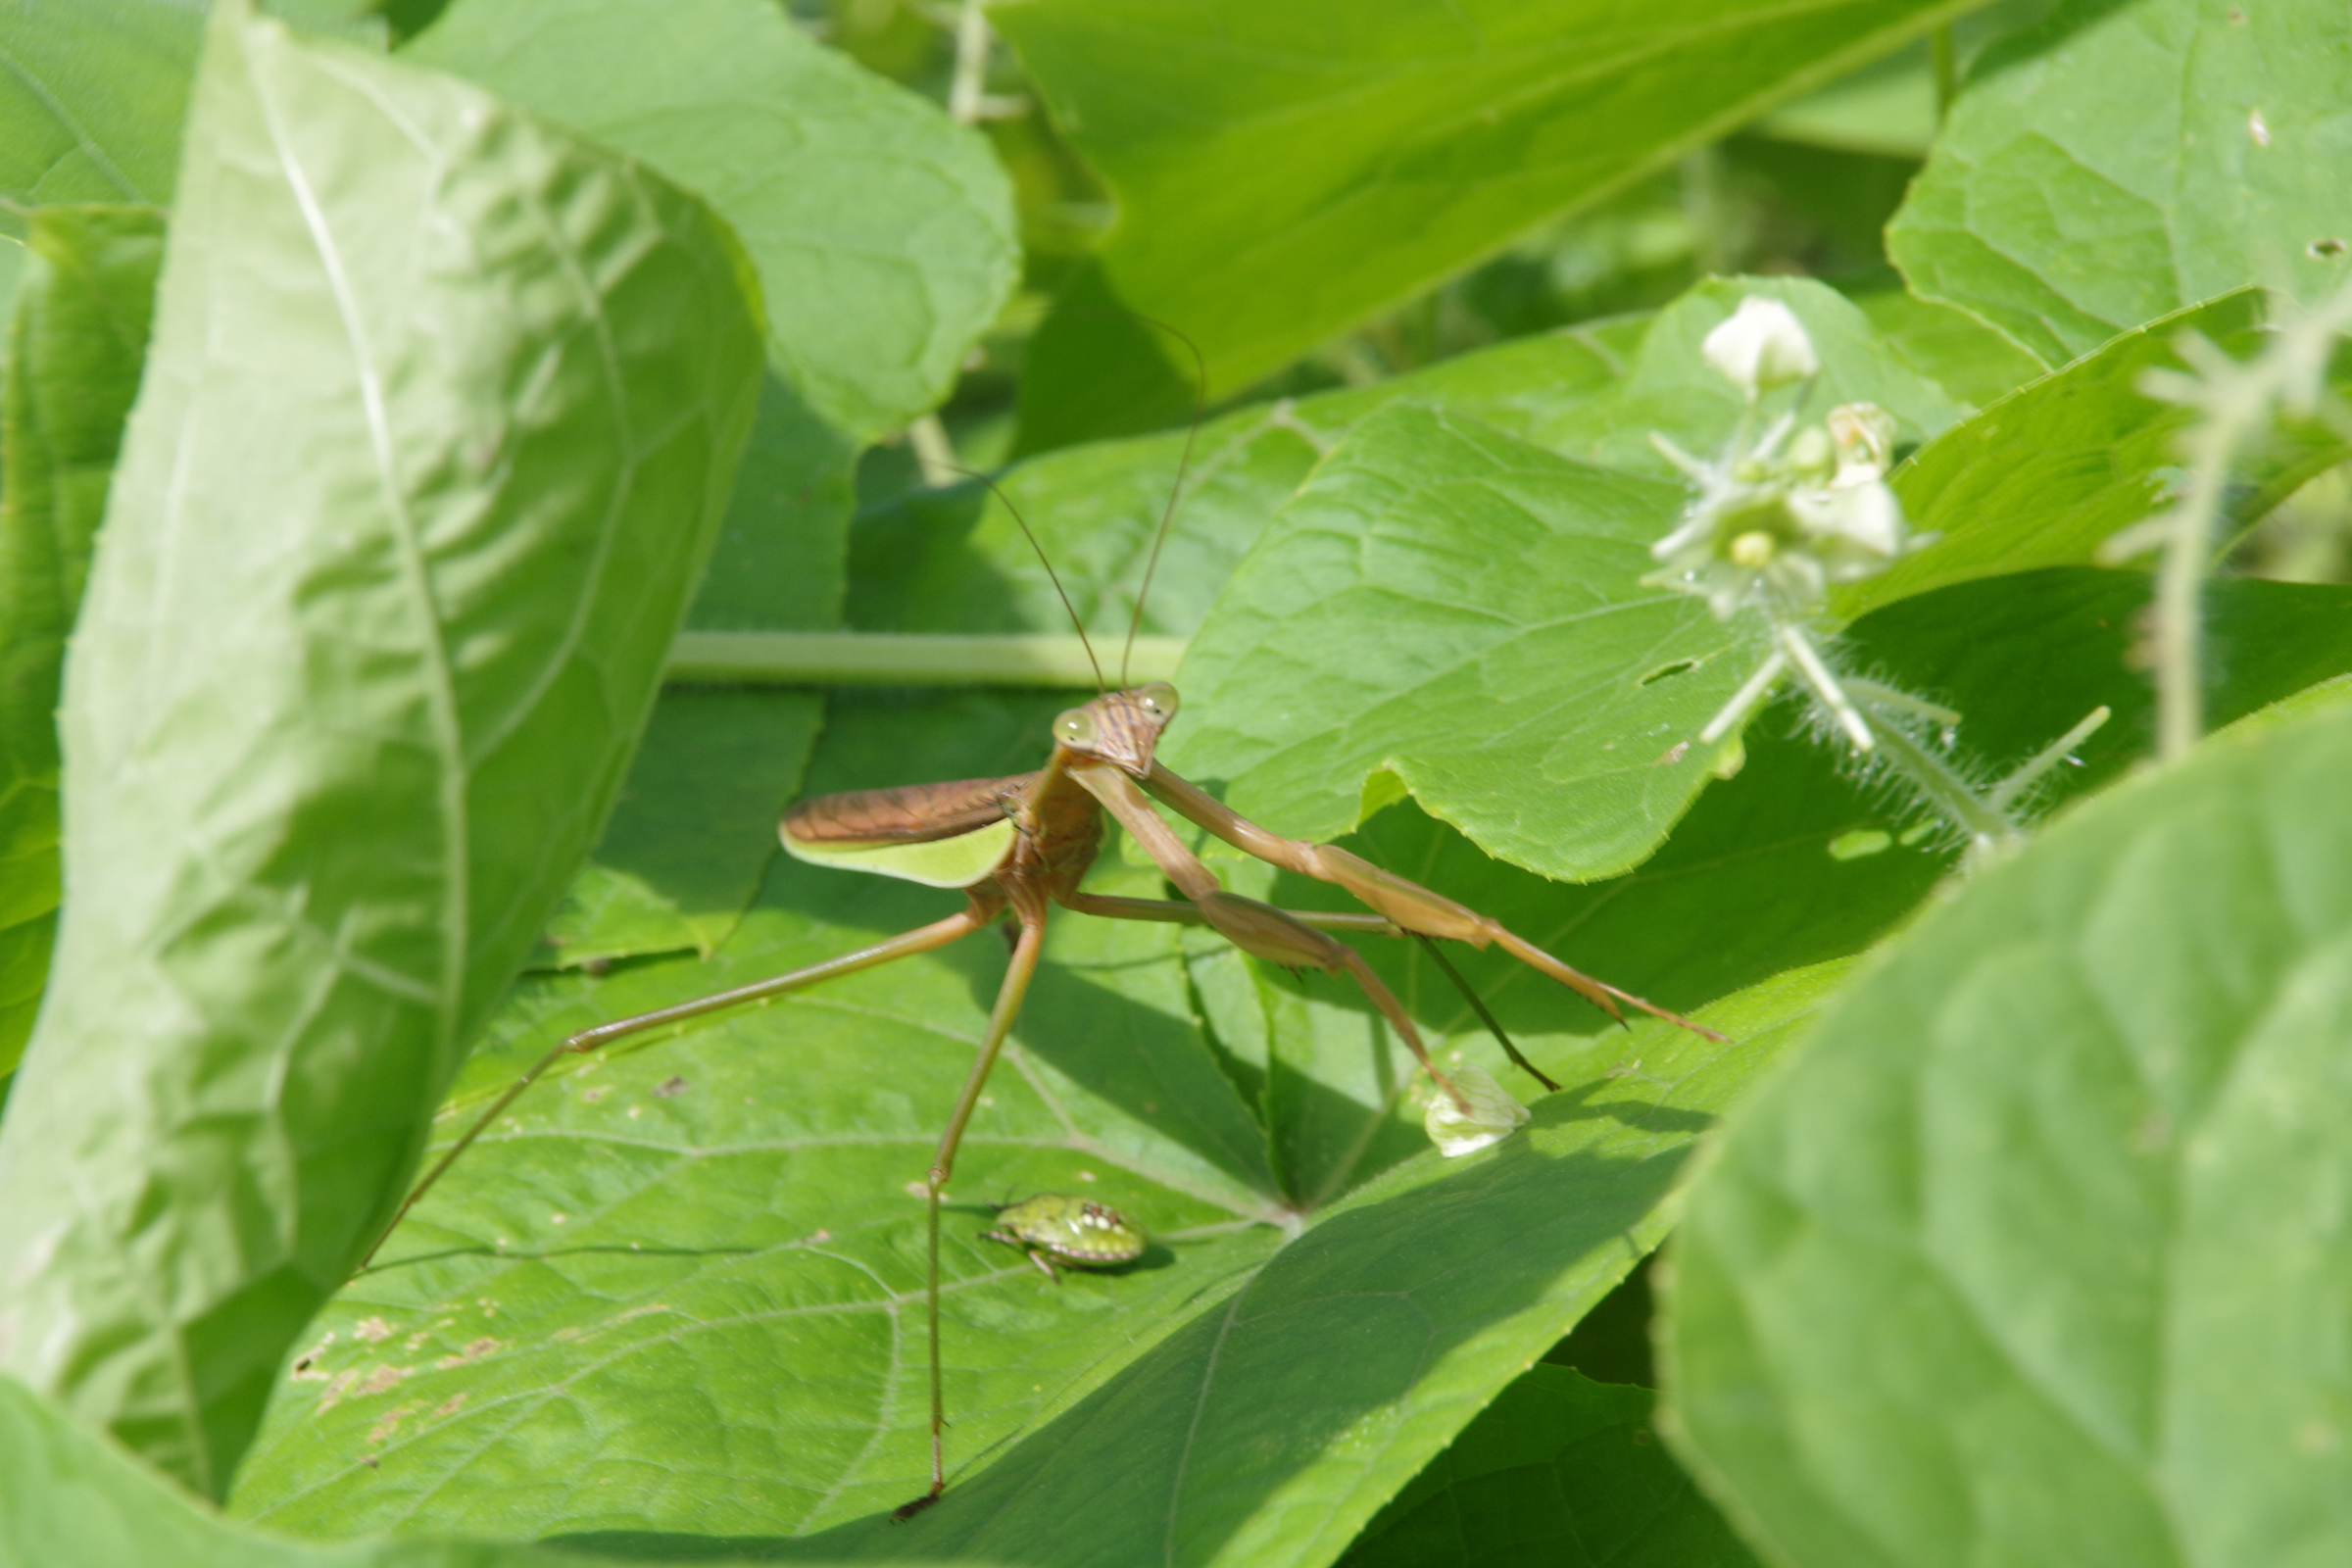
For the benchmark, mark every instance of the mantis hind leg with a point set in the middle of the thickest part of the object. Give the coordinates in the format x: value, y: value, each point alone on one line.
x: 978, y: 913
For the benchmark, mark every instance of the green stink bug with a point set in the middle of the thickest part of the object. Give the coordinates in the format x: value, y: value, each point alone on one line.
x: 1052, y: 1226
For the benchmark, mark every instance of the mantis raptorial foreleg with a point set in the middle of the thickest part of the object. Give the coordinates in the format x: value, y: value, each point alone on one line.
x: 975, y: 915
x: 1258, y: 929
x: 1174, y: 911
x: 1408, y: 903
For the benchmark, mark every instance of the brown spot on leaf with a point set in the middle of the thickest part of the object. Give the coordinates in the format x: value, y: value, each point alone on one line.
x: 375, y: 1330
x: 474, y: 1350
x: 337, y: 1389
x: 670, y: 1088
x: 383, y: 1379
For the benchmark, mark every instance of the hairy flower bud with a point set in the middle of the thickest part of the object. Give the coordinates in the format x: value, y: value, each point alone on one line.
x: 1760, y: 346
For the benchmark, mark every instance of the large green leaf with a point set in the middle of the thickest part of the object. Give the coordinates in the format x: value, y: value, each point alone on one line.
x: 1558, y: 1470
x: 2121, y: 162
x: 70, y: 1498
x: 883, y: 231
x: 1949, y: 347
x: 1284, y: 168
x: 2036, y: 1255
x: 440, y: 414
x: 1792, y: 861
x: 2044, y: 476
x: 1460, y: 612
x: 91, y: 99
x: 76, y: 338
x: 1463, y: 613
x: 957, y: 561
x: 677, y: 1296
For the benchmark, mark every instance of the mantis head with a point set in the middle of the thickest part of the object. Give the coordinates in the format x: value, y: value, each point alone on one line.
x: 1119, y: 727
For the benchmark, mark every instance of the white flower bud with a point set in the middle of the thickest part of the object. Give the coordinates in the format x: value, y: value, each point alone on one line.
x: 1856, y: 529
x: 1761, y: 345
x: 1864, y: 434
x: 1493, y: 1115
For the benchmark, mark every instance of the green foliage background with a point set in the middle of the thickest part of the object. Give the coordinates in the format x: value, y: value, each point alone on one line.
x: 386, y: 385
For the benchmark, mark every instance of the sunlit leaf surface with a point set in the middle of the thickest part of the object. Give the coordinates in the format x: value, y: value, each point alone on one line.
x: 882, y: 231
x: 2032, y: 1257
x: 2119, y: 162
x: 375, y: 616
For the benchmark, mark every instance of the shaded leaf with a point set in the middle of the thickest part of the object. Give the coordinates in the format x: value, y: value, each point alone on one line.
x: 2121, y: 162
x: 782, y: 558
x: 695, y: 823
x: 2030, y: 1258
x: 452, y: 402
x: 882, y: 231
x: 92, y: 100
x: 1557, y: 1470
x: 956, y: 561
x: 692, y: 827
x: 1284, y: 169
x: 76, y: 338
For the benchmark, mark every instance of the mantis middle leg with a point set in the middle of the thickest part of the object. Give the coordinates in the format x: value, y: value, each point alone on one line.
x: 1018, y: 974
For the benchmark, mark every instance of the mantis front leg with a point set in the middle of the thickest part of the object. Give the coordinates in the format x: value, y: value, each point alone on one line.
x: 1258, y: 929
x: 1174, y: 911
x: 1408, y: 905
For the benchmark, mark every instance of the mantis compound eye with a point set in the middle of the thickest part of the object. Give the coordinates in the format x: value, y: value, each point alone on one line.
x: 1157, y: 699
x: 1076, y: 729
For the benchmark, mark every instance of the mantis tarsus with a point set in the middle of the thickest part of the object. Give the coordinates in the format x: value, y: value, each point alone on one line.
x: 1016, y: 847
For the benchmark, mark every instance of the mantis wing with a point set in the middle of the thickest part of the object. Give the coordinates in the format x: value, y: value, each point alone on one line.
x: 951, y: 863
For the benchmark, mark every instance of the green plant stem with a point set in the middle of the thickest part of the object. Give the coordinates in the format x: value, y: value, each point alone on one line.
x: 2181, y: 581
x: 1703, y: 209
x: 968, y: 87
x: 2006, y: 793
x: 873, y: 659
x: 1945, y: 60
x: 1941, y: 787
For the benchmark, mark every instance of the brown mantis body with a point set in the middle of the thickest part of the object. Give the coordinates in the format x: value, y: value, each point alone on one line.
x: 1101, y: 761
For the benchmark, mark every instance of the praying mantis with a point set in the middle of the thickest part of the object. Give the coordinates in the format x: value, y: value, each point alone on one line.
x: 1018, y: 848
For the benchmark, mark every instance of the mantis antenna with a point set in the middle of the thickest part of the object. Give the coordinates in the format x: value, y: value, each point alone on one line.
x: 1052, y: 576
x: 1184, y: 466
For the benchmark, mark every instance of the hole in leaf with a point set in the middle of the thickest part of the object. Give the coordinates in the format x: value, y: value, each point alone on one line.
x: 1861, y: 842
x: 2326, y: 248
x: 1666, y: 672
